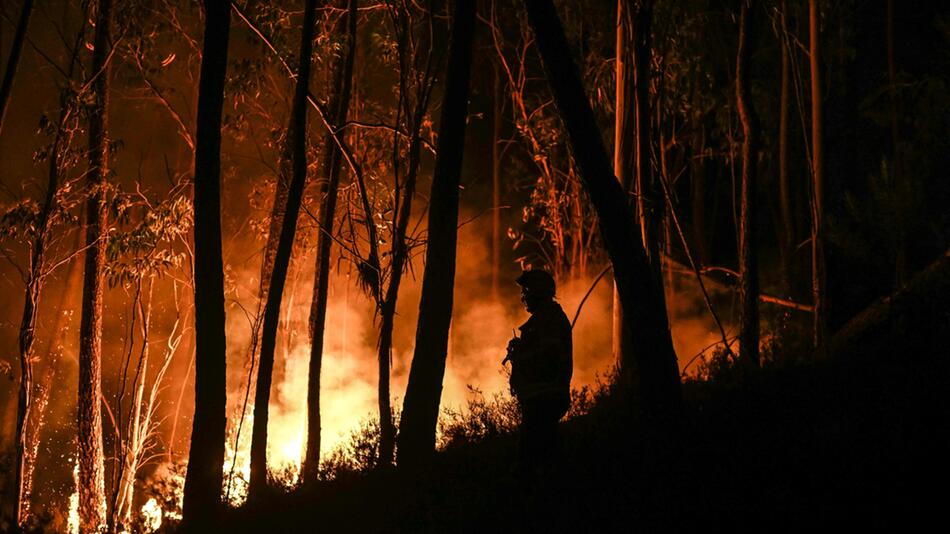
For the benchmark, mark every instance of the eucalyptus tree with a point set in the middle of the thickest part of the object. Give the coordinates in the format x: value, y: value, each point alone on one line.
x: 424, y: 390
x: 340, y: 89
x: 296, y: 154
x: 91, y: 477
x: 203, y: 481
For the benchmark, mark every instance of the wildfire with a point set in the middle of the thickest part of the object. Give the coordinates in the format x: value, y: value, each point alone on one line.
x: 72, y: 521
x: 151, y: 515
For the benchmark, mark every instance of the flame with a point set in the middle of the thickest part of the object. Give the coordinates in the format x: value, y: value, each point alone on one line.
x: 72, y: 521
x: 151, y: 515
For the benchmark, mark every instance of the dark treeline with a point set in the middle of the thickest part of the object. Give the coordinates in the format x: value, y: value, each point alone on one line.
x: 789, y: 152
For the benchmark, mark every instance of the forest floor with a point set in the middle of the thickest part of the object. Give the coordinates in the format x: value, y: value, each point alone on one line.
x: 859, y: 440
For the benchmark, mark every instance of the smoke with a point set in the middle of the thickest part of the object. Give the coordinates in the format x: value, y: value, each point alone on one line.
x: 481, y: 328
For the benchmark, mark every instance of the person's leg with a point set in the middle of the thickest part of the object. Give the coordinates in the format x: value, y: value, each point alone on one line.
x: 532, y: 436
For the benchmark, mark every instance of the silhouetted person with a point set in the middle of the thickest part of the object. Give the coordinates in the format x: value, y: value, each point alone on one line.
x: 541, y: 368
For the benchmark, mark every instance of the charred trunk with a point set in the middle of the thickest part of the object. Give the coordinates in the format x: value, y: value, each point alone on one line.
x: 424, y: 391
x: 203, y: 482
x: 748, y: 264
x: 498, y: 108
x: 387, y: 311
x: 341, y: 90
x: 298, y: 148
x: 787, y: 226
x: 818, y: 179
x: 641, y: 296
x: 387, y: 431
x: 624, y: 155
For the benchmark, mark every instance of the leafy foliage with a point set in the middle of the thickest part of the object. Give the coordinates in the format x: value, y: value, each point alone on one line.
x: 145, y: 250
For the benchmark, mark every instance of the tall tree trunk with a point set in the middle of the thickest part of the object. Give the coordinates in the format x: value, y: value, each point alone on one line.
x: 203, y: 481
x: 624, y: 153
x: 424, y: 390
x: 640, y: 294
x: 92, y: 498
x: 748, y: 272
x: 298, y: 147
x: 23, y: 468
x: 132, y: 444
x: 818, y: 179
x: 697, y: 173
x: 27, y: 434
x: 649, y: 206
x: 387, y: 312
x: 787, y: 231
x: 6, y: 87
x: 399, y: 252
x: 387, y: 431
x: 498, y: 108
x: 340, y: 92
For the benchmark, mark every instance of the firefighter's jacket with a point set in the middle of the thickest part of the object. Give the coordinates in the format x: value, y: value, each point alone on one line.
x: 542, y: 359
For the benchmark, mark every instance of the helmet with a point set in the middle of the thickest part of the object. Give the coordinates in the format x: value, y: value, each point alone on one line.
x: 537, y: 282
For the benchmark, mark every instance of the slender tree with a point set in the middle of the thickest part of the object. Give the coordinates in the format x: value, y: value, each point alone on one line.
x: 297, y: 147
x: 31, y: 302
x: 91, y: 481
x: 818, y: 178
x: 424, y: 390
x: 13, y: 61
x: 340, y: 92
x: 641, y: 296
x: 787, y: 227
x: 649, y: 205
x: 27, y: 427
x: 203, y: 481
x: 415, y: 89
x: 748, y: 273
x: 624, y: 150
x: 498, y: 108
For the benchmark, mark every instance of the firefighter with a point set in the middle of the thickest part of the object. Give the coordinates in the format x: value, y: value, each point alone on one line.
x: 541, y: 368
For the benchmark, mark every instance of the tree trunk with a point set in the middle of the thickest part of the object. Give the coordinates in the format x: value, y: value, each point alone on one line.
x: 399, y: 254
x: 640, y: 294
x: 6, y: 87
x: 387, y: 432
x: 787, y: 226
x: 22, y: 471
x: 424, y: 391
x: 91, y: 481
x: 647, y: 205
x: 748, y: 264
x: 818, y: 179
x: 624, y: 154
x: 341, y: 90
x: 203, y: 481
x: 298, y: 146
x: 498, y: 108
x: 650, y: 205
x: 698, y: 197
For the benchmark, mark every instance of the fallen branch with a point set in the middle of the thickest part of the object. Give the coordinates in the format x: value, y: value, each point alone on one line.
x: 926, y: 288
